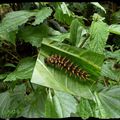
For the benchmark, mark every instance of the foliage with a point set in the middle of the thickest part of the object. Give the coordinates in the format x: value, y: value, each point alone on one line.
x: 86, y: 33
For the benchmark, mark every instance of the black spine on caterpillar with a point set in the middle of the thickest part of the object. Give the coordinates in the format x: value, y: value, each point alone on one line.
x: 63, y: 62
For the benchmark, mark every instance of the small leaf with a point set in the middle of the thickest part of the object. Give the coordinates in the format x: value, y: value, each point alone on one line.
x: 98, y: 5
x: 59, y: 37
x: 114, y: 28
x: 42, y: 15
x: 65, y: 9
x: 109, y: 71
x: 75, y: 32
x: 61, y: 17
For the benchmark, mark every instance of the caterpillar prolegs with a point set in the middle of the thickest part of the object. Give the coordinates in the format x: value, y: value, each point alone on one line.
x: 63, y: 62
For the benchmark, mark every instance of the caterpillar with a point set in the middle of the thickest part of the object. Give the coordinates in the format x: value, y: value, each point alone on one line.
x: 63, y: 62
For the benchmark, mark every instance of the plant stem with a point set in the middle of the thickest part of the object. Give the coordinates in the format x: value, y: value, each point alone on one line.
x: 84, y: 41
x: 31, y: 86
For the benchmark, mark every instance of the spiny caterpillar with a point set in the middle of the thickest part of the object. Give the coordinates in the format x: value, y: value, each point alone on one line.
x: 63, y: 62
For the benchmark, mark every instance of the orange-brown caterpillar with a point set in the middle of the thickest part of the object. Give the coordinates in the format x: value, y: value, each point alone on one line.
x: 63, y: 62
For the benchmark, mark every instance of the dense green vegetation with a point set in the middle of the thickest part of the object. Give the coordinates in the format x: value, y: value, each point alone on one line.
x: 88, y: 33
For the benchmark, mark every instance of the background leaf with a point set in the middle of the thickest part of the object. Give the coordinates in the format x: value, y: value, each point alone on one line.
x: 107, y: 102
x: 75, y: 32
x: 109, y: 71
x: 64, y: 104
x: 115, y: 28
x: 98, y: 5
x: 34, y: 34
x: 12, y: 103
x: 42, y: 15
x: 61, y: 17
x: 50, y: 111
x: 86, y: 108
x: 34, y: 104
x: 23, y: 71
x: 98, y: 36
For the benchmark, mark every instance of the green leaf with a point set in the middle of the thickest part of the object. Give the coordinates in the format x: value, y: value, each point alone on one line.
x: 86, y: 108
x: 23, y: 70
x: 98, y: 36
x: 65, y: 9
x: 114, y: 55
x: 61, y: 17
x: 60, y: 105
x: 65, y: 104
x: 57, y: 79
x: 34, y: 104
x: 42, y: 15
x: 8, y: 28
x: 19, y: 18
x: 2, y: 76
x: 108, y: 102
x: 34, y: 34
x: 75, y: 32
x: 98, y: 5
x: 115, y: 17
x: 50, y: 111
x: 11, y: 103
x: 8, y: 36
x: 59, y: 38
x: 114, y: 28
x: 109, y: 71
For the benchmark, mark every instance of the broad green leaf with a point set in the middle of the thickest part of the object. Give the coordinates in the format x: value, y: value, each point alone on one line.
x: 75, y: 32
x: 34, y: 106
x: 60, y: 105
x: 65, y: 104
x: 98, y: 5
x: 108, y: 103
x: 42, y: 15
x: 50, y: 111
x: 114, y: 28
x: 34, y: 34
x: 98, y: 36
x: 19, y: 18
x: 57, y: 79
x: 11, y: 103
x: 105, y: 105
x: 23, y: 70
x: 8, y: 28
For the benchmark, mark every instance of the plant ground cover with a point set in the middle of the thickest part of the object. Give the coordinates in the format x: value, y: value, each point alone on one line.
x: 85, y: 33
